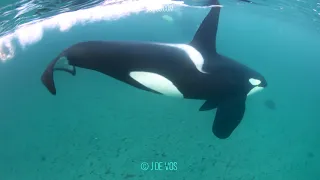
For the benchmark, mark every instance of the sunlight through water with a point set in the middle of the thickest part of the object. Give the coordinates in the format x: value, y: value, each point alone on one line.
x: 32, y: 32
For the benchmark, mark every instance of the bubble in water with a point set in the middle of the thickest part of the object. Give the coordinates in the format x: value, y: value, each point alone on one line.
x: 6, y: 50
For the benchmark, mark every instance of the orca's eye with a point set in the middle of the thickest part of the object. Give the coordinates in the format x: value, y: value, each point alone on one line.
x: 254, y: 82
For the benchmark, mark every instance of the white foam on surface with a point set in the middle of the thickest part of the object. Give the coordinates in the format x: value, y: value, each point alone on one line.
x: 32, y: 32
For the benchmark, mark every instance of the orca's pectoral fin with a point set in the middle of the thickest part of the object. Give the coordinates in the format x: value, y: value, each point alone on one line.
x: 208, y: 105
x: 47, y: 75
x: 228, y: 116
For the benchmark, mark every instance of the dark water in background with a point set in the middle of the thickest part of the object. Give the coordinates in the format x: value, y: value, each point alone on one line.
x: 97, y: 128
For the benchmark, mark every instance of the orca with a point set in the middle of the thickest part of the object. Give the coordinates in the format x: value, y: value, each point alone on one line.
x: 191, y: 71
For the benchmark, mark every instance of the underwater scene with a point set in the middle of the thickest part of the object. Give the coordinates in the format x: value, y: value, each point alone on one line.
x: 159, y: 90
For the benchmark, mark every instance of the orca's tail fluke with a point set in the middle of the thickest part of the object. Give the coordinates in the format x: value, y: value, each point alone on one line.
x: 47, y: 76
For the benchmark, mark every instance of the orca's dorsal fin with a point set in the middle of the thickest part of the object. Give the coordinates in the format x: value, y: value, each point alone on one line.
x: 205, y: 38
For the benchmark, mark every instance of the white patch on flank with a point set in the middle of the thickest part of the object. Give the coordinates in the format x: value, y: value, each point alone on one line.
x: 167, y: 18
x: 255, y: 90
x: 194, y: 55
x: 254, y: 82
x: 157, y: 83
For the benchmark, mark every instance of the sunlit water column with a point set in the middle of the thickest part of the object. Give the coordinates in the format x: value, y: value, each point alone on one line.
x: 32, y: 32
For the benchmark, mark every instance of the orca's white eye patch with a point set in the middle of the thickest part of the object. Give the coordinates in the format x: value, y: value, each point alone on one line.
x: 254, y: 82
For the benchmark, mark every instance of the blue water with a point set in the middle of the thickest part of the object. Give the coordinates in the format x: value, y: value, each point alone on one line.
x: 97, y: 128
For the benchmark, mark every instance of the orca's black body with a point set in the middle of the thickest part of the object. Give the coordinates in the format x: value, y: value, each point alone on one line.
x: 192, y: 71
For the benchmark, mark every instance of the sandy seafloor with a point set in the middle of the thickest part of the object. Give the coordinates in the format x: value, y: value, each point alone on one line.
x: 97, y: 128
